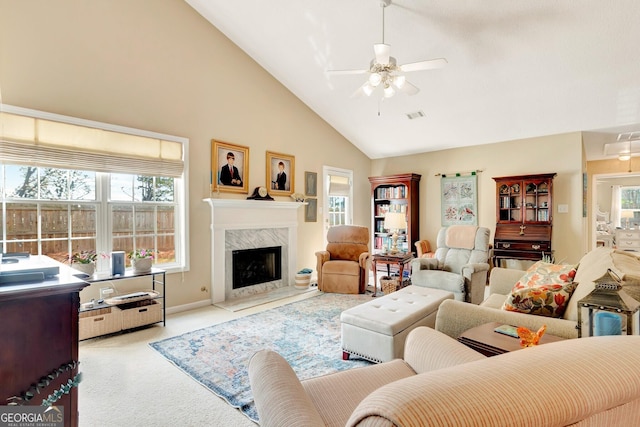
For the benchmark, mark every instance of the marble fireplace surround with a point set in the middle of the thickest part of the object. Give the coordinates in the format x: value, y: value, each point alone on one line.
x: 248, y: 224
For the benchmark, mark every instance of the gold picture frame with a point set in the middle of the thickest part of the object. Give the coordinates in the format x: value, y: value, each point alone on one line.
x: 281, y: 173
x: 222, y: 179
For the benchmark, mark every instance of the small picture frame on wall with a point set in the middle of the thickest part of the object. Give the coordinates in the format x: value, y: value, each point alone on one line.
x: 280, y: 173
x: 311, y: 210
x: 311, y: 184
x: 229, y: 167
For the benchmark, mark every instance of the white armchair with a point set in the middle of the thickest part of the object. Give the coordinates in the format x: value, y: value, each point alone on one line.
x: 460, y: 264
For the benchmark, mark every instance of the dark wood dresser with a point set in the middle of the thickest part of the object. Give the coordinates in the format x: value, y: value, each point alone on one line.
x: 39, y: 337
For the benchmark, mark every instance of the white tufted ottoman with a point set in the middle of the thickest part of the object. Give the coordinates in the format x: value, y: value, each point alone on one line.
x: 376, y: 330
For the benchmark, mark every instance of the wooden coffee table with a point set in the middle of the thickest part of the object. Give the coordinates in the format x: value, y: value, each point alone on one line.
x: 485, y: 340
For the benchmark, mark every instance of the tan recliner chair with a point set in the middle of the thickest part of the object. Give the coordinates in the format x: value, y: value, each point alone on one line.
x: 342, y: 267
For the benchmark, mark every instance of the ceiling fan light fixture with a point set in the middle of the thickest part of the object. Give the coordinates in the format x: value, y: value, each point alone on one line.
x: 399, y: 81
x: 367, y: 89
x: 375, y: 79
x: 623, y: 157
x: 389, y: 91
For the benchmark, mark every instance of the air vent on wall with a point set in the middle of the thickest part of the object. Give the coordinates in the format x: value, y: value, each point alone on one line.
x: 416, y: 115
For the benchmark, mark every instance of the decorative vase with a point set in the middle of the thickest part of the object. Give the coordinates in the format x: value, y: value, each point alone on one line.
x: 141, y: 265
x: 89, y: 268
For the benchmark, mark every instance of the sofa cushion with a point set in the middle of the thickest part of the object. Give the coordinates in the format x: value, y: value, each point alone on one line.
x: 494, y: 301
x: 544, y: 290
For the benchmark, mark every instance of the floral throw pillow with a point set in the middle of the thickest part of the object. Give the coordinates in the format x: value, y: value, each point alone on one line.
x: 544, y: 290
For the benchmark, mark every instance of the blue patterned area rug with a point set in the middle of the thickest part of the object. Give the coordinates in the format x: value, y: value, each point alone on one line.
x: 306, y: 333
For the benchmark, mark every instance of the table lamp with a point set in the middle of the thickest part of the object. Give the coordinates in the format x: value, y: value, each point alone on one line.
x: 627, y: 215
x: 395, y: 221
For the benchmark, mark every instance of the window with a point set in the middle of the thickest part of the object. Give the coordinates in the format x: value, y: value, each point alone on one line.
x: 57, y: 212
x: 108, y: 206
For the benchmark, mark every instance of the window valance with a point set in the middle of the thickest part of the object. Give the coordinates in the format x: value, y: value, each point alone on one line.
x: 50, y: 143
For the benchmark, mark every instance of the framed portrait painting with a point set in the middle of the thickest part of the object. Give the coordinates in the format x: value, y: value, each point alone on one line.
x: 281, y: 172
x: 229, y: 167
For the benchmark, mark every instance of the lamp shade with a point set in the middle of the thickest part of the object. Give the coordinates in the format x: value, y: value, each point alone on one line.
x: 395, y: 221
x: 626, y: 214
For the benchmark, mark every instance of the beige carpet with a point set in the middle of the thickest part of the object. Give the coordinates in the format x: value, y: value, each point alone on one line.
x: 126, y: 383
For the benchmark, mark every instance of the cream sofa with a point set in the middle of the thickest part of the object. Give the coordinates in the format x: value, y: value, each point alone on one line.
x: 442, y: 382
x: 455, y: 317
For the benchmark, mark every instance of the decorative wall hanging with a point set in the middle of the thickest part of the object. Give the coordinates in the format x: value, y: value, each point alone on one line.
x: 310, y: 184
x: 459, y: 199
x: 229, y: 167
x: 280, y: 173
x: 311, y: 210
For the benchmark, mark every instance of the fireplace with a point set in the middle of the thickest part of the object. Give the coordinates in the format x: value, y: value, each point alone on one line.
x: 238, y: 225
x: 255, y: 266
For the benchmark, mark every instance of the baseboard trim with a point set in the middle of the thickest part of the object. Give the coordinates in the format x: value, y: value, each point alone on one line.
x: 190, y: 306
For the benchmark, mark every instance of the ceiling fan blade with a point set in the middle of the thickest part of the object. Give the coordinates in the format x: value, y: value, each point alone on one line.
x: 429, y: 64
x: 382, y: 53
x: 344, y: 72
x: 408, y: 88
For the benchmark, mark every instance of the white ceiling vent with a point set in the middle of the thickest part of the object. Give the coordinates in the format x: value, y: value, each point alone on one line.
x: 416, y: 115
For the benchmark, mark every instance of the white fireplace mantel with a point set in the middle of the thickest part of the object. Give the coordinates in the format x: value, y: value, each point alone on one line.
x: 238, y: 214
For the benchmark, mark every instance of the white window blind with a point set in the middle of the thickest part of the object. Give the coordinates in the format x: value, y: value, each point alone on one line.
x: 339, y: 186
x: 47, y: 142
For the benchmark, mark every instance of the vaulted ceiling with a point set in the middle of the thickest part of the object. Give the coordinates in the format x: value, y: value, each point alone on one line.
x: 516, y: 68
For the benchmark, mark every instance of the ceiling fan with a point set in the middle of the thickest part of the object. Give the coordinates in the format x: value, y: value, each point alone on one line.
x: 385, y: 72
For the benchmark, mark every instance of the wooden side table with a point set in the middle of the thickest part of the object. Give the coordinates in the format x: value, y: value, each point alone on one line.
x: 485, y: 340
x: 400, y: 259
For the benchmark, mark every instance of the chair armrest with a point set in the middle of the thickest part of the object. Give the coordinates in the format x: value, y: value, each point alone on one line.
x: 364, y: 258
x: 279, y: 396
x: 501, y: 280
x: 322, y: 256
x: 469, y: 269
x: 476, y: 281
x: 423, y: 249
x: 427, y: 350
x: 424, y: 264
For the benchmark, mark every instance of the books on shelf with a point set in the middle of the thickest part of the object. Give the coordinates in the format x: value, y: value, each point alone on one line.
x: 398, y: 192
x: 382, y: 210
